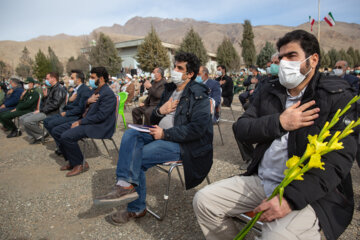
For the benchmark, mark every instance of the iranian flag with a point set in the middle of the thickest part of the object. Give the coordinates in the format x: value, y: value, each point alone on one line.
x: 312, y: 21
x: 330, y: 19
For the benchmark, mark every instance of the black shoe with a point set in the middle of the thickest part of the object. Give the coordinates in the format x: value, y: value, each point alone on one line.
x: 19, y: 133
x: 58, y: 152
x: 36, y: 141
x: 13, y: 133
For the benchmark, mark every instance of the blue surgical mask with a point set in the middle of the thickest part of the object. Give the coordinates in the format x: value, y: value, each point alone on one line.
x: 357, y: 72
x: 92, y: 83
x: 198, y: 79
x: 274, y: 69
x: 347, y: 71
x: 241, y: 73
x: 47, y: 83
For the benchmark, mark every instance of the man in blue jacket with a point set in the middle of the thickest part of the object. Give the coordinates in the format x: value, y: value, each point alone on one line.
x: 13, y: 95
x: 98, y: 122
x: 72, y: 111
x: 340, y: 71
x: 183, y: 131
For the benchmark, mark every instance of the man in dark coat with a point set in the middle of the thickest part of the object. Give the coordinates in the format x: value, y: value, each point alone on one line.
x: 227, y: 85
x: 183, y: 131
x: 279, y: 120
x: 98, y: 122
x: 155, y: 91
x: 27, y: 103
x: 12, y: 96
x: 72, y: 111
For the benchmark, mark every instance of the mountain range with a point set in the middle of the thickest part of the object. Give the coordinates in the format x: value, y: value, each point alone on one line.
x: 342, y: 35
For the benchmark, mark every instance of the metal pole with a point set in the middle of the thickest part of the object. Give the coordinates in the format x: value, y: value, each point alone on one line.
x: 319, y: 21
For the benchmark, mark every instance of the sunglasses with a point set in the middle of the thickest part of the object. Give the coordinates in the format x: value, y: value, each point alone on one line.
x: 338, y: 67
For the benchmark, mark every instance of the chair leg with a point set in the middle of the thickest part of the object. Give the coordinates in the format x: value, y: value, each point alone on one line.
x: 222, y: 141
x: 166, y: 197
x: 97, y: 149
x: 83, y: 163
x: 181, y: 180
x: 208, y: 180
x: 124, y: 121
x: 232, y: 112
x: 106, y: 147
x: 117, y: 150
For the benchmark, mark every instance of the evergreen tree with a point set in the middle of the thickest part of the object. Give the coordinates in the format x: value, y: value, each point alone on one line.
x: 357, y: 58
x: 24, y: 68
x: 80, y: 63
x: 334, y: 57
x: 5, y: 70
x: 42, y: 66
x: 193, y: 43
x: 265, y: 54
x: 247, y: 43
x: 226, y: 55
x: 152, y: 54
x: 325, y: 59
x: 346, y: 57
x: 104, y: 54
x: 56, y: 65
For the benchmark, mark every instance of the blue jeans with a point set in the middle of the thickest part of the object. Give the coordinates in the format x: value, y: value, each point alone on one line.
x: 139, y: 152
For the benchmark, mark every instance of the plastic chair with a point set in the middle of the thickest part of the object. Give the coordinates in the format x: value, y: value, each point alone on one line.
x: 123, y: 96
x: 161, y: 167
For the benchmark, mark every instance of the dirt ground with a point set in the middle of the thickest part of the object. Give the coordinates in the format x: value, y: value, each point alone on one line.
x: 37, y: 201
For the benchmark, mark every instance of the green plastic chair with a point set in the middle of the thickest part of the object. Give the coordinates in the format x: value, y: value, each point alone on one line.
x: 123, y: 96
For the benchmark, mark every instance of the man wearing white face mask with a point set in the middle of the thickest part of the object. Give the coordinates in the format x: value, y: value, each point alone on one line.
x: 227, y: 85
x: 279, y: 120
x: 340, y: 70
x: 183, y: 130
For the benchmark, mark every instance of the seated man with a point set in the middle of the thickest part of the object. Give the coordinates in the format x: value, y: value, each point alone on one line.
x: 155, y: 91
x: 12, y: 96
x: 184, y: 131
x: 74, y: 110
x: 279, y: 120
x: 98, y: 122
x: 214, y: 87
x: 28, y: 102
x: 53, y: 100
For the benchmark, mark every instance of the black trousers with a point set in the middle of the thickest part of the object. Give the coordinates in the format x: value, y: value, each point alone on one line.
x: 141, y: 113
x: 227, y: 101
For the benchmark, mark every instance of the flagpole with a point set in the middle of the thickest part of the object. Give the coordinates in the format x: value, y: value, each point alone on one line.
x: 319, y: 21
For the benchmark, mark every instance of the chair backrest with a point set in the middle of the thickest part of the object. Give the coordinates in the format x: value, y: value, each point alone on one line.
x: 123, y: 96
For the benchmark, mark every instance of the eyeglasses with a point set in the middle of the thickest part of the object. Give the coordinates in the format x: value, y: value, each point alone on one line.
x: 338, y: 67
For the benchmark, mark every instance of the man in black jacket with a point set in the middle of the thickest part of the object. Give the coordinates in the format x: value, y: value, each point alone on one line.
x: 227, y: 85
x: 183, y: 131
x: 72, y: 111
x: 279, y: 120
x: 54, y: 99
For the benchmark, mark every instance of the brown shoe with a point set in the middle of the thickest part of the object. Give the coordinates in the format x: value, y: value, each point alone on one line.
x: 67, y: 167
x: 123, y: 216
x: 119, y: 195
x: 78, y: 169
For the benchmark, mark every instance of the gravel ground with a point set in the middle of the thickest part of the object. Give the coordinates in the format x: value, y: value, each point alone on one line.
x: 37, y: 201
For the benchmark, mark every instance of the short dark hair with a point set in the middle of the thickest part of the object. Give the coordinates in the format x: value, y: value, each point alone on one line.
x: 192, y: 62
x: 161, y: 71
x: 222, y: 66
x: 307, y: 41
x: 101, y: 72
x: 253, y: 67
x: 54, y: 75
x: 15, y: 80
x: 79, y: 74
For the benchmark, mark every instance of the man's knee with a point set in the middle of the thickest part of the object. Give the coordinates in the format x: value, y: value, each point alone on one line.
x: 199, y: 201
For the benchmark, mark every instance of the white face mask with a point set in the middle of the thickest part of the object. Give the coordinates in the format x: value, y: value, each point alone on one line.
x: 71, y: 82
x: 219, y: 73
x: 152, y: 76
x: 338, y: 72
x: 176, y: 77
x: 26, y: 86
x: 289, y: 73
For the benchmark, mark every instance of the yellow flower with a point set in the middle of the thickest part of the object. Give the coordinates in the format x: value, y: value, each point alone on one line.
x: 310, y: 149
x: 295, y: 174
x: 319, y: 146
x: 292, y: 162
x: 315, y: 162
x: 335, y: 145
x: 326, y: 134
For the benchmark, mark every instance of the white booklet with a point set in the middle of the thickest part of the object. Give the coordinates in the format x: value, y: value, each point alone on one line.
x: 140, y: 128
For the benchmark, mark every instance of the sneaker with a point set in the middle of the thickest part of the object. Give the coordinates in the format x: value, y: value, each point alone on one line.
x: 123, y: 216
x: 119, y: 195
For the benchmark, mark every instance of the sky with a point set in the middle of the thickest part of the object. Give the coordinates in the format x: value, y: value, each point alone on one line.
x: 21, y: 20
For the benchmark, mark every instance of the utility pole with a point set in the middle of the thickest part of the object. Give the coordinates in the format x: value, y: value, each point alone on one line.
x: 319, y: 21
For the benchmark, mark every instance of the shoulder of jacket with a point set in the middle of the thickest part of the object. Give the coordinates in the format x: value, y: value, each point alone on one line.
x: 333, y: 84
x: 199, y: 90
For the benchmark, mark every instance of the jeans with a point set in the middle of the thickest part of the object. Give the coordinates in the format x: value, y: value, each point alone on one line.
x: 139, y: 152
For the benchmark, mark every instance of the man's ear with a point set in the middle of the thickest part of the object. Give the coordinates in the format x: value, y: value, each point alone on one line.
x: 190, y: 75
x: 314, y: 60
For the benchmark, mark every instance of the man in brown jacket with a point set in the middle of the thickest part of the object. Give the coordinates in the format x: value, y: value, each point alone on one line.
x: 155, y: 91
